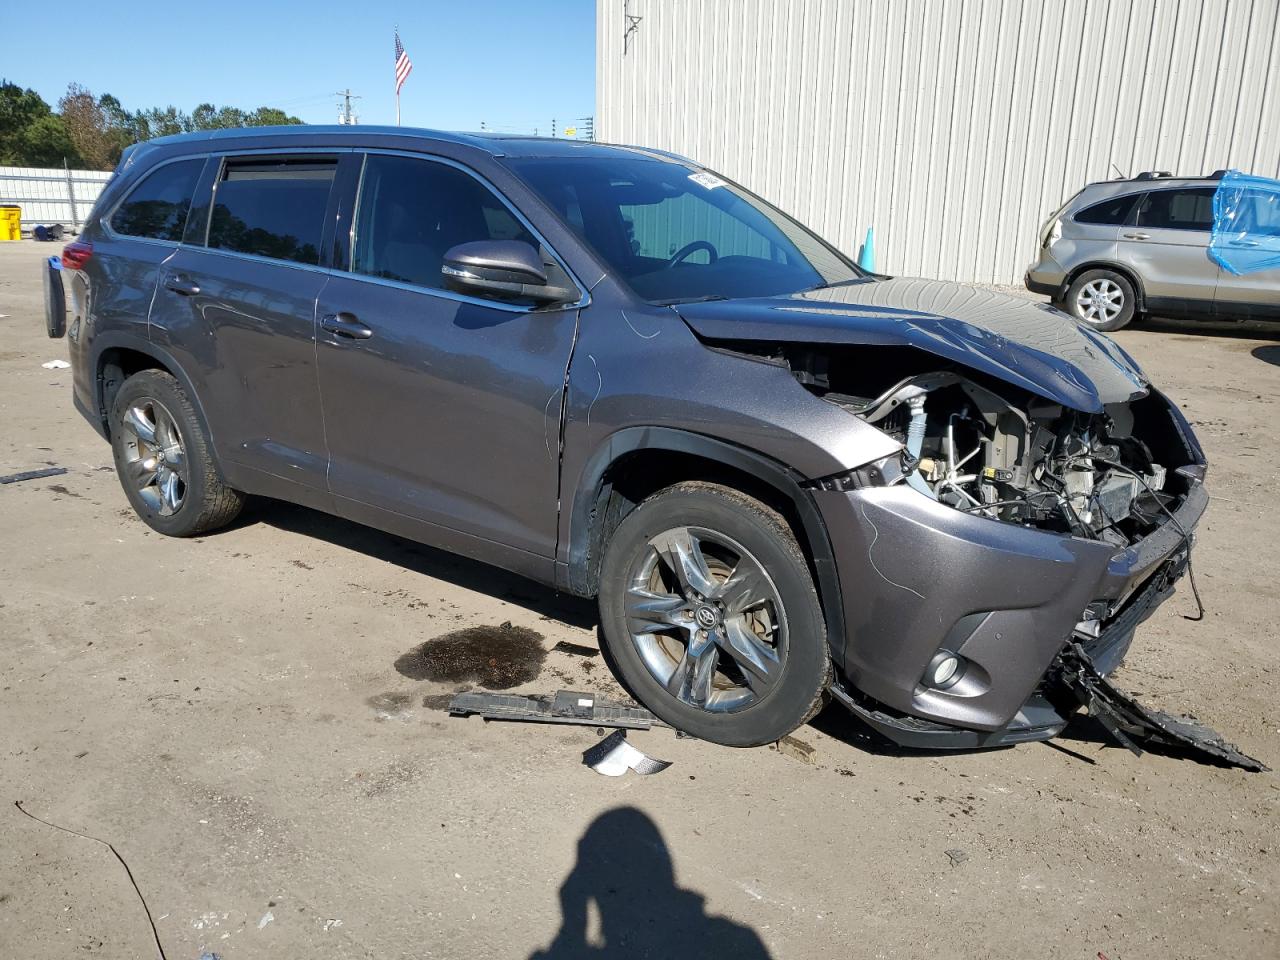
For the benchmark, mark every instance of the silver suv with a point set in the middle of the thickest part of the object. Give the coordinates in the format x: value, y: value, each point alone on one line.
x: 1124, y: 248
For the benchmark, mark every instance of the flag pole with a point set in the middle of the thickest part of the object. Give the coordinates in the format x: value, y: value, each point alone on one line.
x: 397, y: 107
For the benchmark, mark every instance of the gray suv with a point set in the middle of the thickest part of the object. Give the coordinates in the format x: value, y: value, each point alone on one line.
x: 614, y: 372
x: 1124, y: 248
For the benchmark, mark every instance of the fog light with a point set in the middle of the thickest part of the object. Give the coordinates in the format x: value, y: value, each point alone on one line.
x: 943, y: 670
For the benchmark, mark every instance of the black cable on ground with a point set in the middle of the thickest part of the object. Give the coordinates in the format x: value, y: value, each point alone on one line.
x: 129, y: 873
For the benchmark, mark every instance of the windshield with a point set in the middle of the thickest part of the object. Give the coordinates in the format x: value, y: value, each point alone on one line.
x: 674, y: 233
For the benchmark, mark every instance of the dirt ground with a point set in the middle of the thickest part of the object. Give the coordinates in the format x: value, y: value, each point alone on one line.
x: 244, y: 717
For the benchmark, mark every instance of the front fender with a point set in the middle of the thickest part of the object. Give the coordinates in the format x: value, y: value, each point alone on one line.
x: 580, y: 523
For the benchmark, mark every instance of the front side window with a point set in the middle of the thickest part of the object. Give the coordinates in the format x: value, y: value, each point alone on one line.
x: 272, y: 208
x: 1177, y: 209
x: 1112, y: 212
x: 157, y: 207
x: 412, y: 211
x: 674, y: 233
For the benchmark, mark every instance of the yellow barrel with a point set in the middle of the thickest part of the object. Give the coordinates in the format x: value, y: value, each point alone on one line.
x: 10, y: 222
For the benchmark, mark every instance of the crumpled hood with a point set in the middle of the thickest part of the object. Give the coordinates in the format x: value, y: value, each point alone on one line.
x: 1025, y: 343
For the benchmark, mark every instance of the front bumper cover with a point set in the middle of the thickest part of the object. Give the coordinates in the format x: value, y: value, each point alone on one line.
x: 917, y: 577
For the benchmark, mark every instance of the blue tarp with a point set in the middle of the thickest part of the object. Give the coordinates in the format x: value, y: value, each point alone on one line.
x: 1246, y: 224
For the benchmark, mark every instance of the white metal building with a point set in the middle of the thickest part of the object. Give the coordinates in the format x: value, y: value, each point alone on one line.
x: 952, y: 128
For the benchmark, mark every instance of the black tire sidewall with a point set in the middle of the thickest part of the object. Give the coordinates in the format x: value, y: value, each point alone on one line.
x: 806, y: 666
x: 163, y: 388
x: 1126, y: 314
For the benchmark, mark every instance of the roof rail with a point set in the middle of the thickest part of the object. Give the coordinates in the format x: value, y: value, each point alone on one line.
x: 1216, y: 175
x: 1153, y: 175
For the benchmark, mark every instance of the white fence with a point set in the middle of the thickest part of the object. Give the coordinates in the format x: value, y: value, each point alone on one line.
x: 49, y: 196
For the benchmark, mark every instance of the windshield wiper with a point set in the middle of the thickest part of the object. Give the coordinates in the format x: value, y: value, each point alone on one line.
x: 674, y: 300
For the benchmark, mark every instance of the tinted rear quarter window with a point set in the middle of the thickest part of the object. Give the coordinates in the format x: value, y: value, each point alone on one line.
x: 272, y: 208
x: 157, y: 207
x: 1177, y: 209
x: 1111, y: 212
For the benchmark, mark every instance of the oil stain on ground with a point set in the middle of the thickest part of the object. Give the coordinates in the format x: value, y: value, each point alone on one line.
x: 497, y: 658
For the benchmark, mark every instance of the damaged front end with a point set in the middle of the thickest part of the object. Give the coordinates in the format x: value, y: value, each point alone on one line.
x: 1041, y: 503
x: 1006, y: 555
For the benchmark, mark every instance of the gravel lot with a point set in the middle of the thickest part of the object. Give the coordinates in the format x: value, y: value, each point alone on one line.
x: 237, y: 716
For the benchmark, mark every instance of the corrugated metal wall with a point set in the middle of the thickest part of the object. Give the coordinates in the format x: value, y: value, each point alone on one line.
x: 953, y: 128
x: 45, y: 194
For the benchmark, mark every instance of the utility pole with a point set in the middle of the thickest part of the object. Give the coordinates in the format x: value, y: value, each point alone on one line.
x: 347, y: 116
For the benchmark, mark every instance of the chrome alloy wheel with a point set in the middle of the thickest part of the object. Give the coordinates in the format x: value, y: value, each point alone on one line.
x: 1099, y: 300
x: 706, y: 619
x: 155, y: 461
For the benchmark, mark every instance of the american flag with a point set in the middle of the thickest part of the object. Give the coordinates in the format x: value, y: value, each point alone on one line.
x: 403, y: 64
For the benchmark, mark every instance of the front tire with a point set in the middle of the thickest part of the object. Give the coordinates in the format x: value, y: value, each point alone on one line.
x: 163, y: 460
x: 711, y: 618
x: 1102, y: 299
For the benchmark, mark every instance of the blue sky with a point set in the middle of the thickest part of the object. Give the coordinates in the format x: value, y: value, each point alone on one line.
x: 515, y: 65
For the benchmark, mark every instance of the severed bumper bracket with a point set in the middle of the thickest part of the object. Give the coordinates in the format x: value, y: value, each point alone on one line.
x: 1132, y: 724
x: 566, y: 706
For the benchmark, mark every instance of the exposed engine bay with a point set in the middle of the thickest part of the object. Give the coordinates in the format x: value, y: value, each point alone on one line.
x: 1035, y: 463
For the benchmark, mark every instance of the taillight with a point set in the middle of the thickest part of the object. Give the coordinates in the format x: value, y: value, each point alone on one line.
x: 1053, y: 234
x: 76, y: 254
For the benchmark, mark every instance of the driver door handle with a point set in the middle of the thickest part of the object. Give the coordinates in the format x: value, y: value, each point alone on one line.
x: 1137, y: 236
x: 345, y: 325
x: 181, y: 284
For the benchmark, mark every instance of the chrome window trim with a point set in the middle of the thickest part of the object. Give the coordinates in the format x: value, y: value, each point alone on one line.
x: 583, y: 300
x: 223, y: 155
x: 105, y: 220
x: 258, y: 258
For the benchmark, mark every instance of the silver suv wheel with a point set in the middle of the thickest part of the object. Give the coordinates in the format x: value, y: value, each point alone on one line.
x: 1099, y: 301
x: 1102, y: 299
x: 155, y: 460
x: 706, y: 619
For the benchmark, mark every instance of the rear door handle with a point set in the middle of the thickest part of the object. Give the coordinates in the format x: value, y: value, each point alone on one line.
x: 1137, y: 236
x: 182, y: 285
x: 1243, y: 243
x: 345, y: 325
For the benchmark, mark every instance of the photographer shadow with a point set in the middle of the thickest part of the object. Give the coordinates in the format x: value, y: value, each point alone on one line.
x: 625, y: 871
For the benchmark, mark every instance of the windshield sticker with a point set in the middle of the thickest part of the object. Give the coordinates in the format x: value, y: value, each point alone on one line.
x: 708, y: 180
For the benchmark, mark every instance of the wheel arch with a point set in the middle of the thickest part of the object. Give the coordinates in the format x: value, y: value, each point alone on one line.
x: 638, y: 461
x: 118, y: 356
x: 1126, y: 271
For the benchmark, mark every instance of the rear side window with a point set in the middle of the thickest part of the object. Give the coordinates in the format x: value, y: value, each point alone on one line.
x: 157, y: 207
x: 412, y: 211
x: 1177, y: 209
x: 272, y: 209
x: 1112, y: 212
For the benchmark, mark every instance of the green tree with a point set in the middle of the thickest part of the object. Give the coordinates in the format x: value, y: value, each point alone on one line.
x: 31, y: 135
x: 46, y: 143
x: 270, y: 117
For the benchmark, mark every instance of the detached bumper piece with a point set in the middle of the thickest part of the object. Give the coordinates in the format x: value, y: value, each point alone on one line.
x: 565, y: 707
x: 1133, y: 724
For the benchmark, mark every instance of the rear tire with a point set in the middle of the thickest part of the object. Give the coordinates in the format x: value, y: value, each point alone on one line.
x: 1102, y: 299
x: 163, y: 460
x: 734, y: 649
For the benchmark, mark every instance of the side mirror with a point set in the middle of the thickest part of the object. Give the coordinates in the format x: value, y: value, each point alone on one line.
x: 502, y: 269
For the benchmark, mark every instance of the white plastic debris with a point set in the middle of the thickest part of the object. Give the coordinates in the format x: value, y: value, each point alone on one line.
x: 55, y: 365
x: 266, y: 918
x: 613, y: 757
